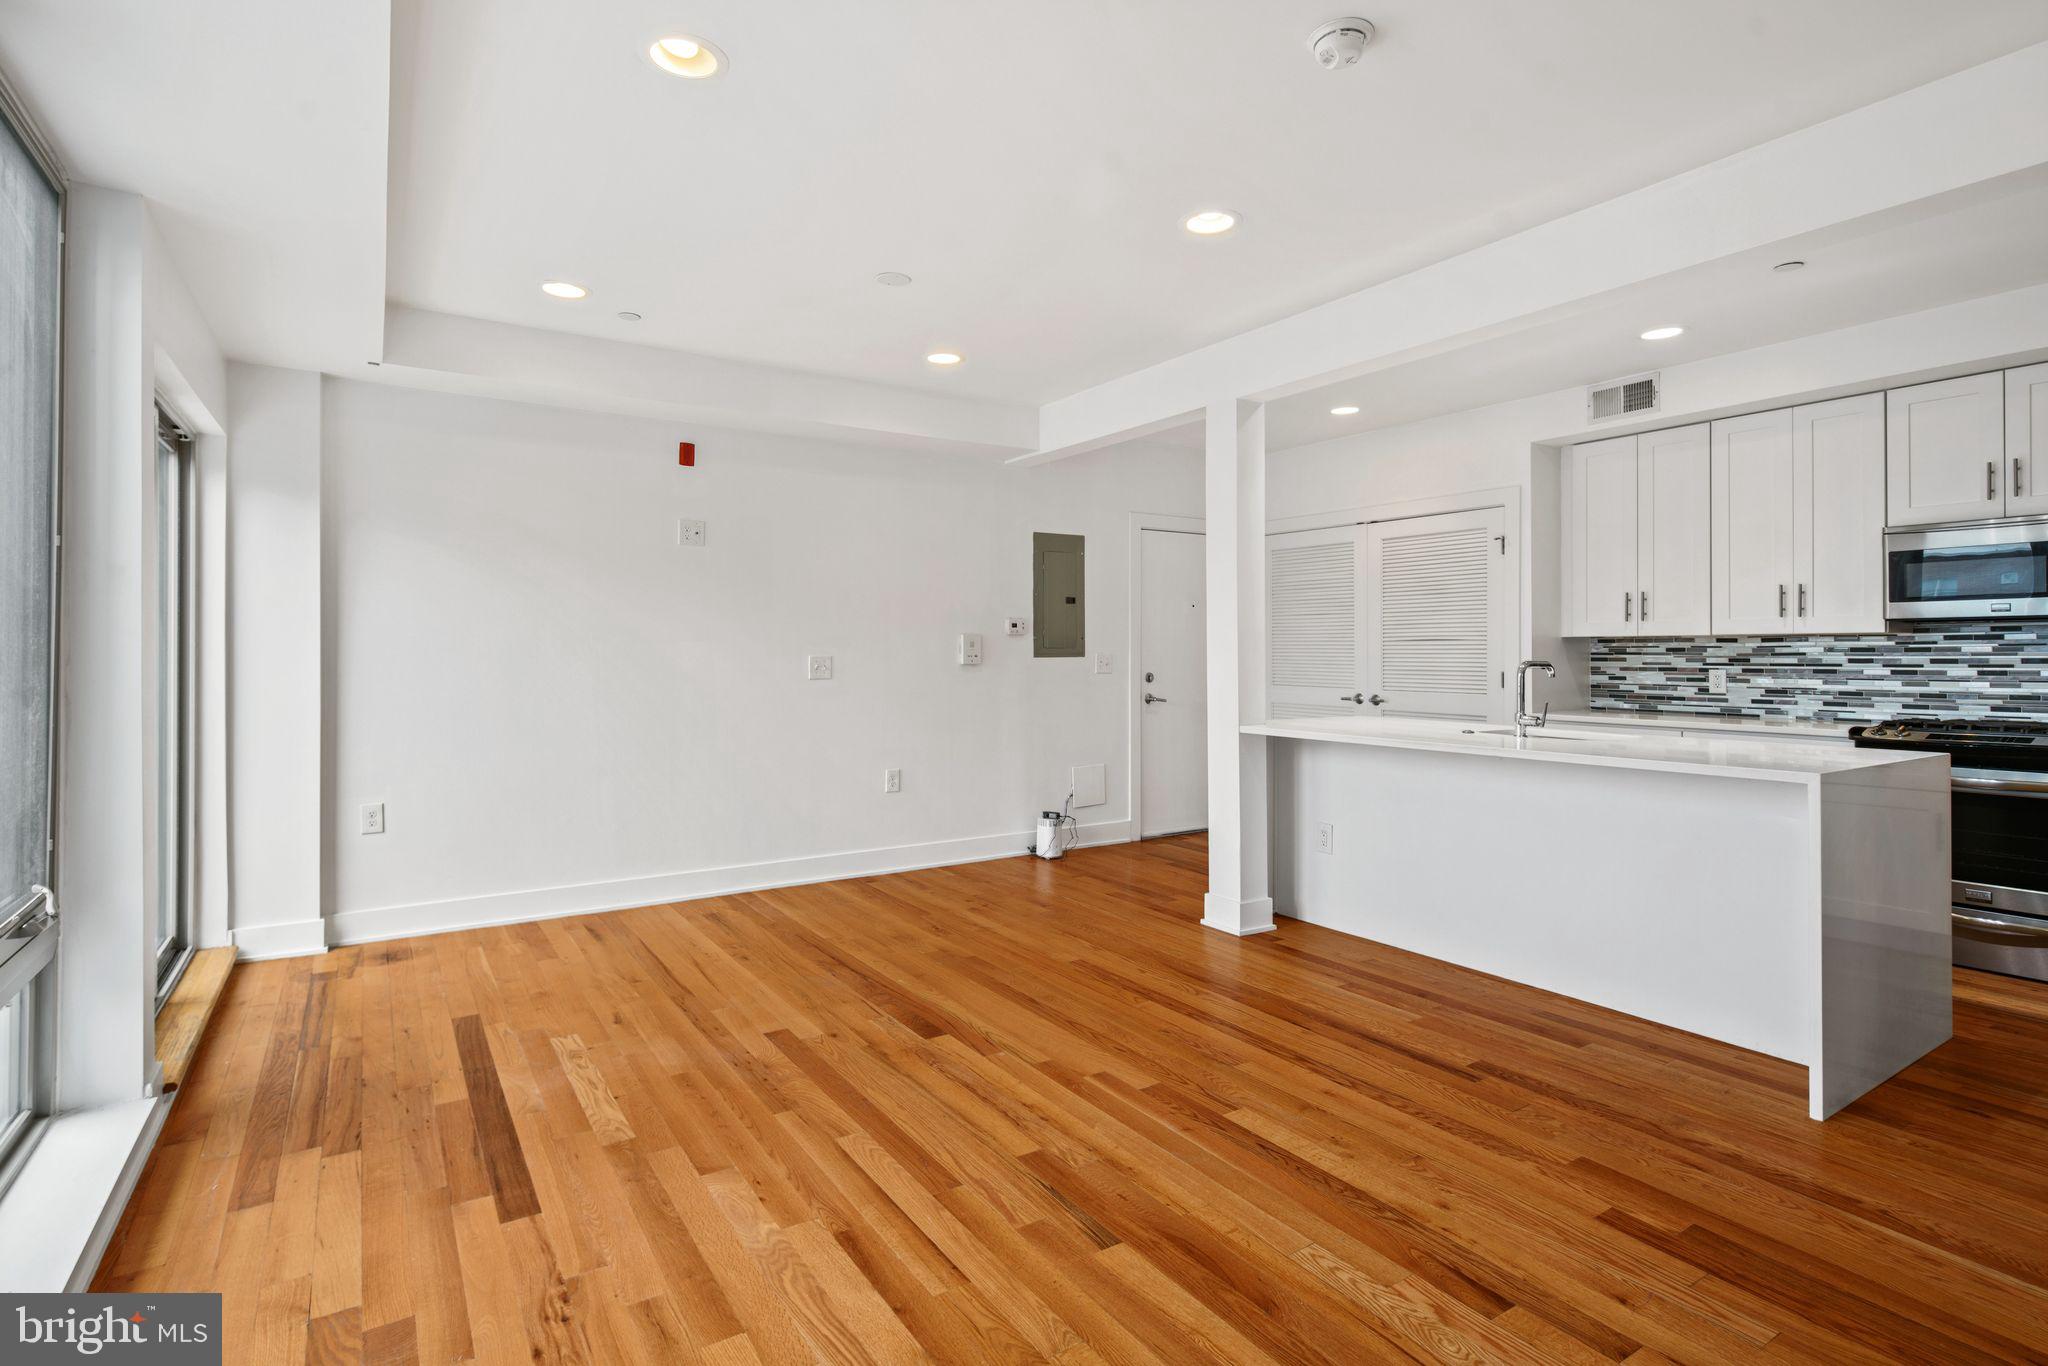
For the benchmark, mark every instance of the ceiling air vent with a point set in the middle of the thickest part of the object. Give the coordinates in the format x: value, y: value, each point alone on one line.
x: 1622, y: 398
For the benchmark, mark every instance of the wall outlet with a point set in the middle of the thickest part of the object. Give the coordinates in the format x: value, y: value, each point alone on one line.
x: 1015, y: 626
x: 1102, y: 663
x: 689, y: 533
x: 1326, y: 838
x: 970, y: 648
x: 1090, y: 784
x: 372, y: 822
x: 818, y: 668
x: 1717, y: 682
x: 892, y: 780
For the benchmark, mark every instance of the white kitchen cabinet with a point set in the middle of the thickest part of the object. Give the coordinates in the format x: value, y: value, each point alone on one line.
x: 1945, y: 451
x: 1755, y: 546
x: 1601, y: 510
x: 1799, y: 513
x: 1674, y: 583
x: 1636, y: 535
x: 1838, y: 471
x: 2026, y: 442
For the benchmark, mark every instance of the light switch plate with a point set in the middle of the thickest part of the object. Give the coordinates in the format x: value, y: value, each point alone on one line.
x: 1102, y: 663
x: 1091, y: 784
x: 970, y: 648
x: 818, y: 668
x: 1015, y: 626
x: 689, y: 533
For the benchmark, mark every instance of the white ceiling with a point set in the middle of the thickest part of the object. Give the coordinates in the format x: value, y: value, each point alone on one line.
x: 1029, y: 164
x: 1986, y: 241
x: 257, y: 131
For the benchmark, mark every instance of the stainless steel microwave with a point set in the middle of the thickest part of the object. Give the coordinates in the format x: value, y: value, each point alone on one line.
x: 1993, y: 572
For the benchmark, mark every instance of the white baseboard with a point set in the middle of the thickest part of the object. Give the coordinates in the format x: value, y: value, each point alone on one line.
x: 549, y: 903
x: 292, y: 939
x: 1237, y: 917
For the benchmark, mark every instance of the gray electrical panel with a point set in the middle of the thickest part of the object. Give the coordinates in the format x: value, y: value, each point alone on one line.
x: 1059, y: 597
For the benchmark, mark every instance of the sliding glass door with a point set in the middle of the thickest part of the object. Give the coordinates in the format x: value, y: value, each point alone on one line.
x: 174, y: 596
x: 31, y: 215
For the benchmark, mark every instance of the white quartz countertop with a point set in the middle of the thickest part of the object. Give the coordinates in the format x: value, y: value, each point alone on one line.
x: 1733, y: 757
x: 1734, y: 725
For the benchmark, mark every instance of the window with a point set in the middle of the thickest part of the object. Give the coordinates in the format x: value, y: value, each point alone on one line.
x: 174, y: 596
x: 31, y: 215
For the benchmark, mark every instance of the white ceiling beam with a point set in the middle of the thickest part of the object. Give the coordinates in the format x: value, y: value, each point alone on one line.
x: 430, y: 350
x: 1975, y: 126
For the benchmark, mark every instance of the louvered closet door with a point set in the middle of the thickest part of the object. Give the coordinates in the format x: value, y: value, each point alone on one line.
x: 1439, y: 621
x: 1315, y: 622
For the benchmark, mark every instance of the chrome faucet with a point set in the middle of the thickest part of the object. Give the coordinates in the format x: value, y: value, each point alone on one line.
x: 1524, y: 718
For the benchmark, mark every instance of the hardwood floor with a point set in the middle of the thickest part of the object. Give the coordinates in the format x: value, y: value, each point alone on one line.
x: 1018, y: 1111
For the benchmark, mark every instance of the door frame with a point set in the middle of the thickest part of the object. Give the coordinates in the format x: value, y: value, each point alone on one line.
x: 1140, y: 523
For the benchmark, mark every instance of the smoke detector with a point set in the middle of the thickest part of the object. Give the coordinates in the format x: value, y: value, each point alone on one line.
x: 1340, y: 43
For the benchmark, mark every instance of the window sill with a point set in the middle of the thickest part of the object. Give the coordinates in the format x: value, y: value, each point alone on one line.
x: 58, y: 1214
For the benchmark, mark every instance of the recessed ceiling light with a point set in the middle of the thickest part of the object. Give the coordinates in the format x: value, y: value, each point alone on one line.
x: 1787, y: 267
x: 562, y: 289
x: 1662, y: 333
x: 627, y: 315
x: 1344, y: 410
x: 681, y: 55
x: 895, y: 279
x: 1210, y: 222
x: 944, y: 358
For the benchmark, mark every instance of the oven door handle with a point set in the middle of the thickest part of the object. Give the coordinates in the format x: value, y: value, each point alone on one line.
x: 2010, y: 787
x: 2004, y: 927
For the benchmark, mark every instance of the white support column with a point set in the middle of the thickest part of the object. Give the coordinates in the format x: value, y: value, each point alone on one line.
x: 1235, y: 488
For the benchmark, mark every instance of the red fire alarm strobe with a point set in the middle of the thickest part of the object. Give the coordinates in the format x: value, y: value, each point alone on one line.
x: 686, y: 452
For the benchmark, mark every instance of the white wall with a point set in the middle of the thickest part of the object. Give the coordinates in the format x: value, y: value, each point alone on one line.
x: 275, y: 686
x: 562, y: 709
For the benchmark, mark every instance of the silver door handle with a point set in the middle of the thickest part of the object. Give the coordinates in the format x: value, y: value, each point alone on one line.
x: 1628, y: 609
x: 1643, y: 600
x: 1781, y: 599
x: 1802, y: 599
x: 2016, y: 489
x: 2006, y: 927
x: 1376, y: 699
x: 1357, y: 697
x: 1990, y: 480
x: 1150, y: 698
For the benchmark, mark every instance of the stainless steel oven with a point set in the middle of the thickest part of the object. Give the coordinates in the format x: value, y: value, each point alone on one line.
x: 1995, y: 571
x: 1998, y: 820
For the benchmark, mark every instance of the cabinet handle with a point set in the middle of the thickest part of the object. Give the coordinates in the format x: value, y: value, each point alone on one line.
x: 1644, y: 598
x: 1802, y: 599
x: 2016, y: 489
x: 1628, y: 611
x: 1781, y: 599
x: 1357, y: 697
x: 1990, y: 480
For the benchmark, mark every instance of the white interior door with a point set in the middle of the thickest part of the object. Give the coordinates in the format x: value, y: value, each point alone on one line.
x: 1173, y: 760
x: 1315, y: 623
x: 1439, y: 615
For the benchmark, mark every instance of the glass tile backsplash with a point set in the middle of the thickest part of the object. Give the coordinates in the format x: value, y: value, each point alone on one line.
x: 1942, y: 669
